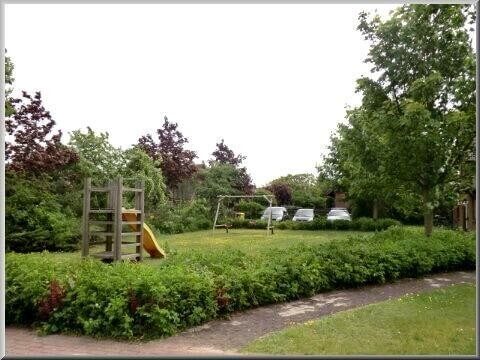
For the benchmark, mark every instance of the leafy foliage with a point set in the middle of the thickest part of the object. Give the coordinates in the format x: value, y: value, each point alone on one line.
x: 37, y: 217
x: 175, y: 161
x: 305, y: 190
x: 417, y: 118
x: 222, y: 179
x: 99, y: 159
x: 281, y: 191
x: 126, y: 300
x: 34, y: 148
x: 138, y: 165
x: 224, y: 155
x: 251, y: 209
x: 178, y: 218
x: 41, y: 181
x: 9, y: 109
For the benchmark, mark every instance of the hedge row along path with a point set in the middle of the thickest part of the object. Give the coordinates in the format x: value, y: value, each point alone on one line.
x: 225, y: 337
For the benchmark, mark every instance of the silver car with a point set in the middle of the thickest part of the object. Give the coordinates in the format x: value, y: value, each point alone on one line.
x: 278, y: 213
x: 338, y: 214
x: 303, y: 215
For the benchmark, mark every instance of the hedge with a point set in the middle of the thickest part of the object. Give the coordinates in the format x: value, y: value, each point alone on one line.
x: 135, y: 300
x: 360, y: 224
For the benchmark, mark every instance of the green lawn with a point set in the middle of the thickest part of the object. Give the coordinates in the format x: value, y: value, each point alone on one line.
x: 438, y: 322
x: 247, y: 239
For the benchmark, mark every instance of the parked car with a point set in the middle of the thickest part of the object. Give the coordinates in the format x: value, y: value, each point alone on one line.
x: 338, y: 214
x: 303, y: 215
x: 278, y: 213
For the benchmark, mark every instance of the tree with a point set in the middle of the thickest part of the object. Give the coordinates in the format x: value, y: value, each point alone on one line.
x: 176, y: 162
x: 421, y: 102
x: 243, y: 182
x: 305, y: 190
x: 281, y: 191
x: 37, y: 217
x: 99, y: 159
x: 224, y: 155
x: 355, y: 156
x: 217, y: 179
x: 35, y: 148
x: 103, y: 162
x: 9, y: 109
x: 139, y: 165
x: 222, y: 179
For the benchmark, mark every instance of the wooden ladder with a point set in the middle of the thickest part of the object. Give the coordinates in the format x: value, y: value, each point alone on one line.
x: 114, y: 223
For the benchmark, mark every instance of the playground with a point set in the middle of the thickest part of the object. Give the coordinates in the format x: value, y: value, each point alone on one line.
x: 263, y: 198
x: 129, y: 282
x: 118, y: 224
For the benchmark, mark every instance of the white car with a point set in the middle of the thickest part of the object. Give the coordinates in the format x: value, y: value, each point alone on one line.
x: 278, y: 213
x: 338, y: 214
x: 303, y: 215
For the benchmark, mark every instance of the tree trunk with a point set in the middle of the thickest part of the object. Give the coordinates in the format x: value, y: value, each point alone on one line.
x: 427, y: 213
x: 375, y: 209
x: 464, y: 218
x: 428, y: 222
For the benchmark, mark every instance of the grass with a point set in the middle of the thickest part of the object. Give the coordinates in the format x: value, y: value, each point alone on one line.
x: 251, y: 241
x: 248, y: 240
x: 437, y: 322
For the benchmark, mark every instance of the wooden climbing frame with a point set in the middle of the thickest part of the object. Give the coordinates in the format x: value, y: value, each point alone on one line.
x: 114, y: 234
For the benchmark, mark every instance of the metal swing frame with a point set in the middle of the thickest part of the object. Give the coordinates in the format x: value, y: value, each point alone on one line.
x: 269, y: 198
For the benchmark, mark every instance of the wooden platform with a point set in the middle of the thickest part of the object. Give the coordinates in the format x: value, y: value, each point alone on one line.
x: 108, y: 256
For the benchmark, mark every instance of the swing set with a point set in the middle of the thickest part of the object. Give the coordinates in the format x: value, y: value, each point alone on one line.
x: 226, y: 226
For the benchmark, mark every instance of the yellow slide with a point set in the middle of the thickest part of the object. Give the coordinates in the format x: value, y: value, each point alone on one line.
x: 149, y: 242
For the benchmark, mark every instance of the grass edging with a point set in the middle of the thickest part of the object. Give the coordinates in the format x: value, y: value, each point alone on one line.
x: 438, y: 322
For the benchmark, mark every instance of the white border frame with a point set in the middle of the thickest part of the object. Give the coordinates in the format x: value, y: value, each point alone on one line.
x: 2, y: 122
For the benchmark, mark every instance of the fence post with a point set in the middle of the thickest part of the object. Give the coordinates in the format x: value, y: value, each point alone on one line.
x: 86, y: 216
x: 117, y: 252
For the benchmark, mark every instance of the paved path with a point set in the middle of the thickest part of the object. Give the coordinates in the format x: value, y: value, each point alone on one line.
x: 225, y: 337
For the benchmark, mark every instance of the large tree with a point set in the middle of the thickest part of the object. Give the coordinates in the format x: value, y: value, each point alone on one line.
x: 103, y: 162
x: 224, y: 155
x: 299, y: 189
x: 9, y: 109
x: 138, y: 165
x: 34, y: 146
x: 218, y: 179
x: 40, y: 179
x: 419, y: 102
x: 99, y: 159
x: 176, y: 162
x: 282, y: 192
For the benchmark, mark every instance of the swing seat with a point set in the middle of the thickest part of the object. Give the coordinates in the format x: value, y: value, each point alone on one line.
x: 226, y: 226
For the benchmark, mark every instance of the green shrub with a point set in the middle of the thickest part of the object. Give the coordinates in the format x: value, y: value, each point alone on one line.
x: 252, y: 209
x: 247, y: 224
x: 36, y: 218
x: 132, y: 300
x: 183, y: 217
x: 360, y: 224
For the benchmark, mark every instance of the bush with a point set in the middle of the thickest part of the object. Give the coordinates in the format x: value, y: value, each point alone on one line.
x: 36, y: 217
x: 252, y: 209
x: 247, y: 224
x: 360, y: 224
x: 127, y: 300
x: 175, y: 219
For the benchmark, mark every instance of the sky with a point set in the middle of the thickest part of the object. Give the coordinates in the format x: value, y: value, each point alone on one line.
x: 273, y: 81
